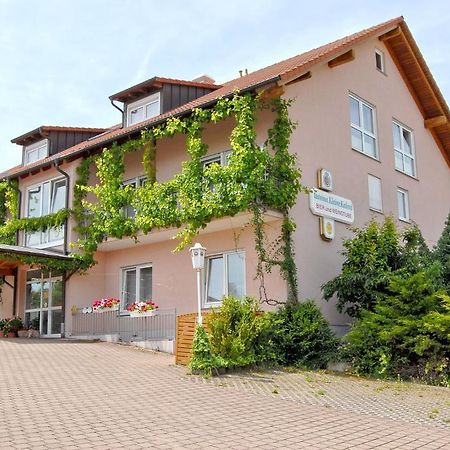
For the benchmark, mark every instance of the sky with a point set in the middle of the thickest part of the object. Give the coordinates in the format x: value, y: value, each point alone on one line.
x: 60, y: 60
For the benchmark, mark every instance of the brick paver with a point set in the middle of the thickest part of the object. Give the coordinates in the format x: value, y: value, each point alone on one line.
x: 410, y: 402
x: 67, y: 395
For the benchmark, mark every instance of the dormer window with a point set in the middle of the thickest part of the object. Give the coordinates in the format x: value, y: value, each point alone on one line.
x: 35, y: 152
x: 143, y: 109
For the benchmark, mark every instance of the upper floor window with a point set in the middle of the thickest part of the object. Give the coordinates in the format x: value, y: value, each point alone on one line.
x: 379, y: 60
x: 362, y: 117
x: 35, y: 152
x: 45, y: 198
x: 218, y: 158
x: 404, y: 149
x: 143, y: 109
x: 129, y: 211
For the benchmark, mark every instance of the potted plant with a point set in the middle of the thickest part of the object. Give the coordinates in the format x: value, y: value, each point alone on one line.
x: 3, y: 323
x: 15, y: 324
x: 105, y: 304
x: 143, y: 308
x: 9, y: 327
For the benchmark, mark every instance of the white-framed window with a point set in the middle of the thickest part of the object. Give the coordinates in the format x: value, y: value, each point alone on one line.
x: 144, y: 109
x: 363, y: 127
x: 136, y: 182
x: 379, y: 60
x: 45, y: 198
x: 403, y: 205
x: 35, y: 152
x: 404, y: 149
x: 136, y: 284
x: 221, y: 158
x: 225, y: 275
x: 375, y: 198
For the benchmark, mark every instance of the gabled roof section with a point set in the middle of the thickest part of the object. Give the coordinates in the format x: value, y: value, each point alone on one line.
x: 43, y: 131
x: 421, y: 84
x: 156, y: 83
x: 404, y: 50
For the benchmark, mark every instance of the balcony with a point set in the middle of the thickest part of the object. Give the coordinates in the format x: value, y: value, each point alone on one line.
x: 161, y: 235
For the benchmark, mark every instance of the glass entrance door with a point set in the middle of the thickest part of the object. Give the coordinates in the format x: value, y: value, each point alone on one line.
x: 43, y: 307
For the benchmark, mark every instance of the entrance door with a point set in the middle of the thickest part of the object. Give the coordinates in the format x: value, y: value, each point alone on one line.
x: 43, y: 307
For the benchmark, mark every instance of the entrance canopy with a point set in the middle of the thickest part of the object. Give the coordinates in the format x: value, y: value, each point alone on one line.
x: 9, y: 257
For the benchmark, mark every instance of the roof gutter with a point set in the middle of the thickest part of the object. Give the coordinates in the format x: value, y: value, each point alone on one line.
x: 138, y: 130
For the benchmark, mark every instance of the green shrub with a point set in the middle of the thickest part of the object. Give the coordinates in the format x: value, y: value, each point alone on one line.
x: 408, y: 332
x: 239, y: 333
x: 202, y: 359
x: 301, y: 336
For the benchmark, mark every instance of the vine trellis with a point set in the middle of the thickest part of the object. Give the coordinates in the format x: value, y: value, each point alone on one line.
x: 256, y: 178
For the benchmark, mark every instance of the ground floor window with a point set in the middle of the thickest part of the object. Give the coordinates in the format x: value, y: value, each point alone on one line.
x: 43, y: 303
x: 136, y: 284
x: 225, y: 275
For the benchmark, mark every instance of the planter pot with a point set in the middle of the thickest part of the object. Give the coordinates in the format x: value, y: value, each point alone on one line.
x: 8, y: 335
x: 154, y: 312
x: 100, y: 311
x: 23, y: 333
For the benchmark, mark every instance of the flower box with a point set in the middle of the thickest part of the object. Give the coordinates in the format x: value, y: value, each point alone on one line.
x: 153, y: 312
x: 105, y: 305
x: 102, y: 310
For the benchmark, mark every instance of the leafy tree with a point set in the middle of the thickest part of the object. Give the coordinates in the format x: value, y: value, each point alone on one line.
x: 442, y: 253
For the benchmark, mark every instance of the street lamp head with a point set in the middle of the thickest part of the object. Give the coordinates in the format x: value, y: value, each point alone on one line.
x: 198, y: 256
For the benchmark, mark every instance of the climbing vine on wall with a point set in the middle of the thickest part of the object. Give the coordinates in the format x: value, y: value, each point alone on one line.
x: 255, y: 178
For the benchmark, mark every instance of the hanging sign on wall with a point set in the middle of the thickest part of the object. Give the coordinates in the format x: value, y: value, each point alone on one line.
x: 333, y: 206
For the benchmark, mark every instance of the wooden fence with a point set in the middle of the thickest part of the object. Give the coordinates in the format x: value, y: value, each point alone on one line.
x: 185, y: 335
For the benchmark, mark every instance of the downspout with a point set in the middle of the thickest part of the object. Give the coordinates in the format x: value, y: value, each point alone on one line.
x: 64, y: 276
x: 121, y: 111
x: 15, y: 293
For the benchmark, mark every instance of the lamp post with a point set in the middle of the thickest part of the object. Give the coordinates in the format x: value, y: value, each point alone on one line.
x: 198, y: 263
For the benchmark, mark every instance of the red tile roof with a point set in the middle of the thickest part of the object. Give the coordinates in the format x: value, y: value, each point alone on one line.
x: 154, y: 82
x: 45, y: 129
x: 281, y: 72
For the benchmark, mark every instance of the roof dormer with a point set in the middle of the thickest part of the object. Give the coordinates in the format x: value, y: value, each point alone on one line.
x: 48, y: 140
x: 159, y: 95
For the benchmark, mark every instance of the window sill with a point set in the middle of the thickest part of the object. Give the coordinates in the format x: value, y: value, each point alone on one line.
x: 407, y: 174
x: 404, y: 220
x: 379, y: 211
x: 365, y: 154
x: 382, y: 72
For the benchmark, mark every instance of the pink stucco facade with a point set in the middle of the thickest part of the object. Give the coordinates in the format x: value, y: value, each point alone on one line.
x: 321, y: 140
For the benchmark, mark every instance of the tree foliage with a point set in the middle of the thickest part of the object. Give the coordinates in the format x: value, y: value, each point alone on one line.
x: 370, y: 258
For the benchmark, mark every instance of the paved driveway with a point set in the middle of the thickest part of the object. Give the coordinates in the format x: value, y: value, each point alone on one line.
x: 68, y: 395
